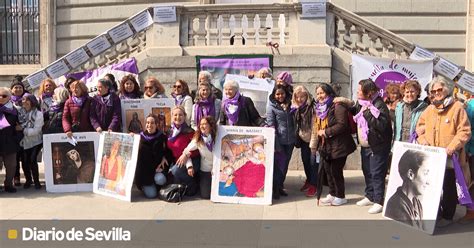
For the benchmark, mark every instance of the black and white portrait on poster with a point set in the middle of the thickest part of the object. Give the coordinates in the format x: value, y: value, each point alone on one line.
x: 68, y: 167
x: 415, y: 184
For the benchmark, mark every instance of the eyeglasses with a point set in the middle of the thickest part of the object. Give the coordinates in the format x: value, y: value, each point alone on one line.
x: 439, y: 90
x: 3, y: 96
x: 176, y: 86
x: 148, y: 87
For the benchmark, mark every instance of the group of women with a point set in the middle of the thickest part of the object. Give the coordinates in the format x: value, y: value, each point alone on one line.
x: 321, y: 127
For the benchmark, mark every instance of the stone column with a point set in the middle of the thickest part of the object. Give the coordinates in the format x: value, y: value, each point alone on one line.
x: 470, y: 35
x: 47, y: 32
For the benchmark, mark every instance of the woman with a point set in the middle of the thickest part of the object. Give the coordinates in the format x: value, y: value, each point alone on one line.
x: 113, y: 169
x: 153, y: 89
x: 152, y: 158
x: 393, y: 97
x: 129, y: 88
x: 45, y: 94
x: 203, y: 141
x: 445, y: 124
x: 53, y: 122
x: 32, y: 139
x: 9, y: 143
x: 238, y: 110
x: 113, y: 82
x: 408, y: 111
x: 18, y: 90
x: 206, y: 104
x: 180, y: 137
x: 303, y: 107
x: 106, y: 111
x: 264, y: 73
x: 76, y: 110
x: 332, y: 138
x: 182, y: 97
x: 280, y: 117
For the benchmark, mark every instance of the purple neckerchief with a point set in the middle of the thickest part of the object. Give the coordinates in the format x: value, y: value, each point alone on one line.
x: 5, y: 109
x: 322, y: 109
x: 175, y: 131
x: 204, y: 108
x: 46, y: 95
x: 463, y: 192
x: 232, y: 117
x: 56, y: 107
x: 294, y: 109
x: 178, y: 99
x: 413, y: 137
x: 360, y: 119
x: 78, y: 100
x: 131, y: 95
x: 208, y: 143
x: 149, y: 137
x: 17, y: 99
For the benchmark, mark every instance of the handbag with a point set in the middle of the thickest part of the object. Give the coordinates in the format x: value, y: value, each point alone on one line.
x: 172, y: 192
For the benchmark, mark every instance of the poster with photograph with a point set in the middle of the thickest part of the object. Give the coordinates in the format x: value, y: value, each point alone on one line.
x: 115, y: 165
x: 256, y: 89
x: 220, y: 66
x: 68, y: 167
x: 415, y: 185
x: 243, y: 165
x: 134, y: 112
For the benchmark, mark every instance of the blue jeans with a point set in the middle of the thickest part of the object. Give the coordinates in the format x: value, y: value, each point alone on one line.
x: 309, y: 163
x: 150, y: 191
x: 374, y: 167
x: 181, y: 176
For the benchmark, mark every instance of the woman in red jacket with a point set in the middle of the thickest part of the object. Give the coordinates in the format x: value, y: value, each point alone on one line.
x: 76, y: 110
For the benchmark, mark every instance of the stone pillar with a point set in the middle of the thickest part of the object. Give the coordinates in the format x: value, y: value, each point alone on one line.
x: 470, y: 36
x: 47, y: 32
x: 163, y: 39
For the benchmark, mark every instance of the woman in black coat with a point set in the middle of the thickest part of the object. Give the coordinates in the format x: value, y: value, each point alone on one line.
x: 153, y: 157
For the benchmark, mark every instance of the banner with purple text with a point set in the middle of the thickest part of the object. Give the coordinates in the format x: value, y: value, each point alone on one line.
x: 384, y: 71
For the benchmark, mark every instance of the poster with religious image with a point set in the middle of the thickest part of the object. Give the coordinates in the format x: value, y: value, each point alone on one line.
x: 116, y: 163
x: 414, y: 185
x: 69, y: 167
x: 134, y: 112
x: 243, y: 165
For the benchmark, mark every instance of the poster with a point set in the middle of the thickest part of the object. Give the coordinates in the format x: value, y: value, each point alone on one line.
x: 415, y: 185
x: 243, y: 165
x: 141, y: 20
x: 134, y: 112
x: 384, y: 71
x: 69, y: 168
x: 420, y: 53
x: 98, y: 45
x: 313, y: 9
x: 163, y: 14
x: 256, y: 89
x: 220, y: 66
x: 466, y: 81
x: 115, y: 165
x: 446, y: 68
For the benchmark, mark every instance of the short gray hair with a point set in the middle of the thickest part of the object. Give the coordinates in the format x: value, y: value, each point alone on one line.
x: 6, y: 90
x: 61, y: 94
x: 267, y: 70
x: 448, y: 86
x: 206, y: 74
x: 233, y: 84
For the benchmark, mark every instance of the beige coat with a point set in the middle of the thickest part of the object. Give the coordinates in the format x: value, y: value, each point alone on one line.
x: 449, y: 129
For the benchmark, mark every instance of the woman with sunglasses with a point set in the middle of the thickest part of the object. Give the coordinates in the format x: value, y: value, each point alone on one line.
x: 129, y: 88
x: 182, y: 97
x: 153, y: 89
x: 445, y: 124
x: 106, y: 111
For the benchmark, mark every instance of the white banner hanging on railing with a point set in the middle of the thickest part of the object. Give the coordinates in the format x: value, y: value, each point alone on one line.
x: 35, y: 80
x: 164, y: 14
x: 313, y: 9
x: 120, y: 32
x: 420, y: 53
x: 141, y: 21
x: 447, y: 68
x: 57, y: 69
x: 77, y: 57
x: 98, y: 45
x: 466, y: 81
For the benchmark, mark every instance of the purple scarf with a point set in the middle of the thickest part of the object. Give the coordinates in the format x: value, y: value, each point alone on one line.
x: 131, y: 95
x: 463, y: 193
x: 78, y: 100
x: 204, y: 108
x: 5, y: 109
x: 56, y: 107
x: 232, y: 102
x: 175, y: 131
x: 149, y: 137
x: 178, y: 99
x: 360, y: 119
x: 209, y: 142
x: 46, y: 95
x: 322, y: 109
x: 17, y: 99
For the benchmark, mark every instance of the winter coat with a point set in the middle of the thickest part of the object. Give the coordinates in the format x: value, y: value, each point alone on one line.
x: 106, y: 116
x: 9, y: 140
x: 284, y: 123
x: 415, y: 115
x: 32, y: 129
x: 248, y: 115
x: 54, y: 122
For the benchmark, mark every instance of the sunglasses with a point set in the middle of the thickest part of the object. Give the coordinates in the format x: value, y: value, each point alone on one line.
x: 436, y: 91
x: 176, y: 86
x: 148, y: 87
x: 3, y: 96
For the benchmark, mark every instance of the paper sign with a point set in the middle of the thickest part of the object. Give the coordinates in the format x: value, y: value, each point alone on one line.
x: 141, y: 21
x: 467, y: 82
x: 164, y: 14
x: 120, y: 32
x: 256, y: 88
x: 313, y: 10
x: 77, y: 57
x: 98, y: 45
x: 57, y: 69
x: 422, y: 54
x: 446, y: 68
x: 35, y: 80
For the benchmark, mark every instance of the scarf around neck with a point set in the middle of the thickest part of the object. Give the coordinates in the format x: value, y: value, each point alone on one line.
x: 322, y: 109
x: 232, y: 108
x: 131, y: 95
x: 46, y: 95
x: 208, y: 141
x: 178, y: 99
x: 6, y: 109
x: 204, y: 108
x: 149, y: 137
x: 360, y: 119
x: 17, y: 99
x: 79, y: 101
x: 443, y: 104
x: 176, y: 130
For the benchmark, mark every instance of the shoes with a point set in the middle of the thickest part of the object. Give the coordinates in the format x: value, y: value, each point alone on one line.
x: 276, y: 194
x: 283, y: 192
x: 16, y: 181
x: 10, y: 189
x: 338, y: 201
x: 364, y: 202
x: 327, y: 201
x: 443, y: 223
x: 375, y: 209
x: 27, y: 185
x: 305, y: 186
x: 38, y: 185
x: 468, y: 218
x: 311, y: 191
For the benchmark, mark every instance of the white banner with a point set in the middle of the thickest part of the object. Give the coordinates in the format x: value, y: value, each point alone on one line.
x: 384, y: 71
x: 134, y: 112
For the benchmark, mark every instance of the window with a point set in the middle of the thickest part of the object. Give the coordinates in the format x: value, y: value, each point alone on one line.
x: 19, y: 32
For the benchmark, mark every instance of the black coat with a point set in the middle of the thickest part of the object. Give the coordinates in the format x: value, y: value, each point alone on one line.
x: 9, y: 141
x: 248, y: 115
x: 150, y: 155
x: 380, y: 129
x: 54, y: 124
x: 338, y: 142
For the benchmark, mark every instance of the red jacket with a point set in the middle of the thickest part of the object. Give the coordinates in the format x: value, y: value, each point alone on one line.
x: 73, y: 112
x: 179, y: 143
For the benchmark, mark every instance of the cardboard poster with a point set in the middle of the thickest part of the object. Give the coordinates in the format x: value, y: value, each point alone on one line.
x: 134, y: 112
